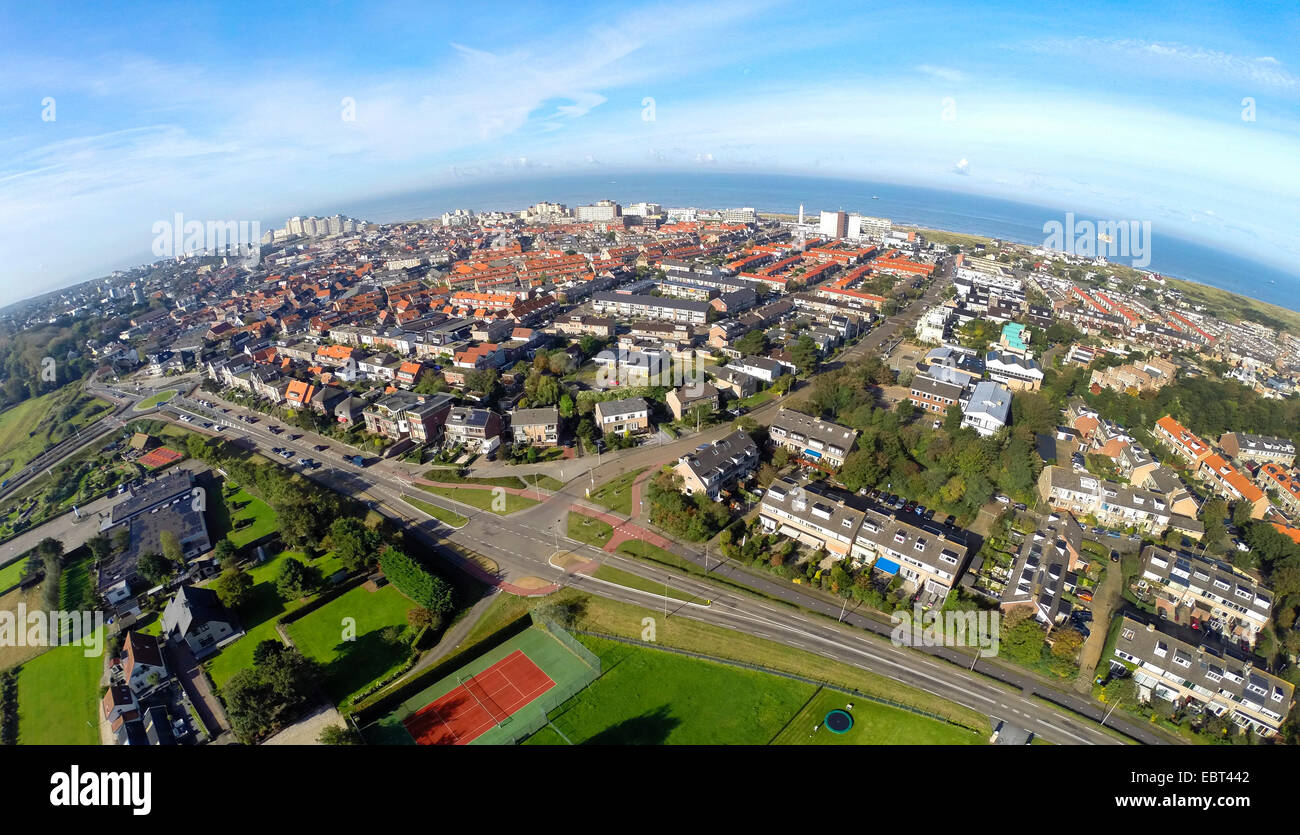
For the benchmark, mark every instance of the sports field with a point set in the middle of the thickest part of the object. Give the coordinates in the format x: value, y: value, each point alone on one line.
x: 486, y: 701
x: 653, y: 697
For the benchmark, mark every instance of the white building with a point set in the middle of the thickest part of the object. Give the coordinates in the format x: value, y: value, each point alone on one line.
x: 988, y: 410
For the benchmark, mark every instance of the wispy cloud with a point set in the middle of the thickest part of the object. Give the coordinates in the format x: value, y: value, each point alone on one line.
x: 942, y: 73
x: 1264, y: 70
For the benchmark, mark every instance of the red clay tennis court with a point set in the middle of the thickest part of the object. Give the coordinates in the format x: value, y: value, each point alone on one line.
x: 480, y: 702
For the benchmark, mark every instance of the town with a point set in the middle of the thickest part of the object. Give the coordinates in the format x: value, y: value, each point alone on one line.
x: 555, y: 410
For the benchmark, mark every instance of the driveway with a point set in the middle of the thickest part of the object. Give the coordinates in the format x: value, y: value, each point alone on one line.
x: 187, y: 671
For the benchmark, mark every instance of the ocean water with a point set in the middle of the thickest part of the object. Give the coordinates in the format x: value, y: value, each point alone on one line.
x: 906, y: 205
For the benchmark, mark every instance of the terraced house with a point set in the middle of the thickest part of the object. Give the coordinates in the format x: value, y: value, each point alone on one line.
x: 931, y: 395
x: 1261, y: 448
x: 1284, y: 484
x: 1185, y: 443
x: 1217, y: 679
x: 927, y: 555
x: 1229, y: 482
x: 812, y: 438
x: 1206, y: 594
x: 1112, y: 504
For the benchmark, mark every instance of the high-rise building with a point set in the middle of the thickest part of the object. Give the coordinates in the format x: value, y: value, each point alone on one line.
x: 834, y: 224
x: 745, y: 215
x: 600, y: 210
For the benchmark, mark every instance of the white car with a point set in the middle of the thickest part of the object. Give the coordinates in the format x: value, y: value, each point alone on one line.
x: 1003, y: 499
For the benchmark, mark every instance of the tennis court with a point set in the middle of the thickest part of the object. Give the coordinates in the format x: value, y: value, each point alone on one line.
x: 498, y: 697
x: 481, y: 702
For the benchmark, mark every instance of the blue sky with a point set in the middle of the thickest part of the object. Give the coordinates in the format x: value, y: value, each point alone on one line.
x: 234, y: 111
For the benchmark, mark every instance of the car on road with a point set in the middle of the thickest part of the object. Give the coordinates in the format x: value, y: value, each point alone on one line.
x: 304, y: 462
x: 1113, y: 534
x: 284, y: 453
x: 277, y: 450
x: 274, y: 430
x: 1114, y: 555
x: 321, y: 447
x: 950, y: 520
x: 294, y: 437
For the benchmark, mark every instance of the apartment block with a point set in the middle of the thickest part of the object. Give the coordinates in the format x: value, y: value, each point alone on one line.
x: 538, y: 427
x: 1113, y: 504
x: 712, y: 466
x: 817, y: 440
x: 1261, y: 448
x: 1206, y: 594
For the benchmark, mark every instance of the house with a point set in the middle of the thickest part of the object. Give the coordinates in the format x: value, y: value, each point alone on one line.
x: 931, y: 395
x: 1232, y: 484
x: 196, y: 618
x: 631, y: 416
x: 712, y: 466
x: 1184, y: 443
x: 144, y: 668
x: 1113, y: 504
x: 1206, y: 594
x: 727, y: 379
x: 538, y: 427
x: 119, y: 704
x: 761, y: 368
x: 1016, y: 373
x: 1174, y: 666
x: 1241, y: 446
x: 816, y: 440
x: 479, y: 430
x: 1046, y: 568
x: 687, y: 398
x: 988, y: 409
x: 1275, y: 477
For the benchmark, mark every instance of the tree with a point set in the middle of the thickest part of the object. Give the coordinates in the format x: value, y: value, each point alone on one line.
x: 1241, y: 514
x: 155, y: 568
x: 754, y: 342
x: 227, y: 554
x: 171, y: 547
x: 232, y: 587
x: 952, y: 419
x: 416, y: 582
x: 353, y: 542
x: 567, y: 407
x: 338, y: 735
x: 296, y: 580
x: 100, y: 547
x: 805, y: 354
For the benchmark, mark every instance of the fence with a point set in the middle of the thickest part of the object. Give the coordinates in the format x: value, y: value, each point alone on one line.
x: 570, y: 643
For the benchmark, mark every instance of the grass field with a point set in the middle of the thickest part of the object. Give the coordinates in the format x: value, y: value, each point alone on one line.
x: 616, y: 494
x: 442, y: 514
x: 155, y: 400
x: 482, y: 499
x: 586, y: 529
x: 873, y: 724
x: 58, y: 698
x: 258, y: 615
x: 452, y: 476
x: 227, y: 523
x: 351, y: 665
x: 10, y: 652
x: 12, y: 573
x: 648, y: 697
x: 29, y: 427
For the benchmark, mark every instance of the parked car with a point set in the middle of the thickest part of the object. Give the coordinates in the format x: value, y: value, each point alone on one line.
x: 1021, y: 506
x: 1003, y: 499
x: 1114, y: 555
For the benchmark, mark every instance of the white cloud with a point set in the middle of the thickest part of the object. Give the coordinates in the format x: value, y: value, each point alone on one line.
x: 942, y: 73
x: 1197, y: 60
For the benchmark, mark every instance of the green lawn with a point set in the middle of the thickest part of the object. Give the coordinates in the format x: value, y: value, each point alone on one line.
x: 155, y: 400
x: 442, y: 514
x: 482, y: 499
x: 29, y: 427
x: 873, y: 724
x: 452, y: 476
x: 545, y: 482
x: 259, y: 613
x: 228, y: 522
x: 58, y: 698
x: 586, y: 529
x: 351, y: 665
x: 12, y: 573
x: 651, y: 697
x: 616, y: 494
x: 757, y: 399
x: 611, y: 574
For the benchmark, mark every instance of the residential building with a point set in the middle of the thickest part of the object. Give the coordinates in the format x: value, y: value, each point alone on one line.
x: 1218, y: 679
x: 1273, y: 476
x: 988, y: 409
x: 1241, y: 446
x: 712, y: 466
x: 1232, y: 484
x: 627, y: 305
x: 166, y: 504
x: 761, y: 368
x: 1206, y: 594
x: 144, y: 667
x: 1045, y: 570
x: 1111, y: 503
x: 538, y: 427
x: 1016, y: 373
x: 630, y: 416
x: 931, y: 395
x: 479, y: 430
x: 1184, y: 443
x: 196, y: 618
x: 819, y: 441
x: 687, y: 398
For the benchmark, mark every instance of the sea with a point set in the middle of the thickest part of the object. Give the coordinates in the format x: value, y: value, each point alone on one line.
x: 906, y: 205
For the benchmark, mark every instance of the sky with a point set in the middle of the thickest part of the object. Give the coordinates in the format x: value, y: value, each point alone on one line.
x: 115, y: 119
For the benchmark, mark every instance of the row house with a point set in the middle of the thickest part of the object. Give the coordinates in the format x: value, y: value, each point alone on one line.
x: 1229, y: 482
x: 1184, y: 443
x: 479, y: 430
x: 1113, y: 504
x: 1214, y: 679
x: 931, y: 395
x: 1206, y: 594
x: 817, y: 440
x: 1241, y: 446
x: 402, y: 414
x: 1275, y: 477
